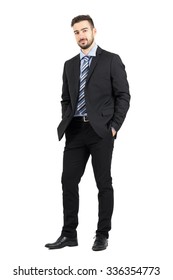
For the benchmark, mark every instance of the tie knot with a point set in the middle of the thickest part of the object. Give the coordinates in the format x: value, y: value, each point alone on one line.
x: 86, y: 58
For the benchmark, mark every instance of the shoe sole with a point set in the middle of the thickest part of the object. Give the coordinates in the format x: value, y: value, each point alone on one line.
x: 69, y: 244
x: 99, y: 249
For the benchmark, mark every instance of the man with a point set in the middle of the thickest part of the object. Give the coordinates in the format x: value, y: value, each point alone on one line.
x: 95, y: 100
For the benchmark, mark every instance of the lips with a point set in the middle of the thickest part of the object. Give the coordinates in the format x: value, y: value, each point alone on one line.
x: 82, y: 41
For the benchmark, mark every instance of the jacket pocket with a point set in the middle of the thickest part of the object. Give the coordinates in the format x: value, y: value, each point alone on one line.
x: 108, y: 112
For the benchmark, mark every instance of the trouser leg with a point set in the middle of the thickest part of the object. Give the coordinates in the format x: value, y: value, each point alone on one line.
x: 74, y: 163
x: 101, y: 153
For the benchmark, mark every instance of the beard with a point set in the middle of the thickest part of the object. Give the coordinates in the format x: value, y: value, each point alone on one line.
x: 88, y: 44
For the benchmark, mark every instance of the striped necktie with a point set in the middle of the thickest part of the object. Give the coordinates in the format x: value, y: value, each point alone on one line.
x: 81, y: 106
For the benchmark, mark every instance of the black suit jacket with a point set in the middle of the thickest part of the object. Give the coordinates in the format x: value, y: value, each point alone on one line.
x: 106, y: 92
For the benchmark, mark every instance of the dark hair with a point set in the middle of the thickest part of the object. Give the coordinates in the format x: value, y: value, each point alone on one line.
x: 81, y: 18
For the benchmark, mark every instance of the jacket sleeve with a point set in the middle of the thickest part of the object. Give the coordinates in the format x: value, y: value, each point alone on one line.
x: 121, y: 92
x: 65, y: 97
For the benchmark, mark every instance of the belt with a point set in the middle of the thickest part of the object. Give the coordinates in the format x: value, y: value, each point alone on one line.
x: 81, y: 119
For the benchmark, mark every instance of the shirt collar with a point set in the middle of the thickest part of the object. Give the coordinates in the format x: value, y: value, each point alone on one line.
x: 92, y: 52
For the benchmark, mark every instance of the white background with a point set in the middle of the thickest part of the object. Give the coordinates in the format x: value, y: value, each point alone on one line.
x: 36, y: 39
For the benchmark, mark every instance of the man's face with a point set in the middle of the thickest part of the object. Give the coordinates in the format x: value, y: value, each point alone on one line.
x: 84, y: 34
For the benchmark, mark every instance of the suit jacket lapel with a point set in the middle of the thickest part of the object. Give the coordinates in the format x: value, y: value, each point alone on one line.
x: 76, y: 76
x: 94, y: 62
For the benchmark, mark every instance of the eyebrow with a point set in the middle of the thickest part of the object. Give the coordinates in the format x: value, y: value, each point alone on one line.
x: 81, y: 29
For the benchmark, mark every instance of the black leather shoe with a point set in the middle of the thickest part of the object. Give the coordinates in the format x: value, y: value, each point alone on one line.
x: 62, y: 242
x: 100, y: 243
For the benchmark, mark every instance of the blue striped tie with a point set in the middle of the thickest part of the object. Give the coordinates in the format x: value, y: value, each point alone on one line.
x: 81, y: 106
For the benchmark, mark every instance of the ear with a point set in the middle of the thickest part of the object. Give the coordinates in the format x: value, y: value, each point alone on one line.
x: 94, y: 30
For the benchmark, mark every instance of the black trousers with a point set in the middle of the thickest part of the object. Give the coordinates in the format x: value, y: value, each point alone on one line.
x: 81, y: 142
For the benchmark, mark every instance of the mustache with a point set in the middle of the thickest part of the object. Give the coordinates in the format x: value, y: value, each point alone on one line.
x: 82, y: 40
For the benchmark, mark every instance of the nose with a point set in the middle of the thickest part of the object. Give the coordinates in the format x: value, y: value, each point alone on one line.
x: 81, y: 35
